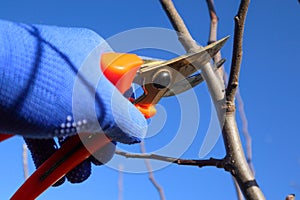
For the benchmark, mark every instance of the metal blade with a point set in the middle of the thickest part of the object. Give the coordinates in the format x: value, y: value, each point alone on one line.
x: 172, y: 71
x: 189, y: 82
x: 184, y: 63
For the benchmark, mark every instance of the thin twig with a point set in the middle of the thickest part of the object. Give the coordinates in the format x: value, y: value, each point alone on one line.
x: 219, y: 163
x: 151, y: 175
x: 25, y: 161
x: 239, y: 193
x: 237, y: 51
x: 213, y: 31
x: 213, y: 21
x: 120, y: 182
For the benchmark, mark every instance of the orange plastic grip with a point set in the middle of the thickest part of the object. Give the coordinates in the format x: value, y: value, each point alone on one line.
x: 148, y: 110
x: 120, y: 69
x: 71, y: 154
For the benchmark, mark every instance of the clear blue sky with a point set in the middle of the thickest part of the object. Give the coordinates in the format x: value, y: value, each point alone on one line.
x: 269, y: 86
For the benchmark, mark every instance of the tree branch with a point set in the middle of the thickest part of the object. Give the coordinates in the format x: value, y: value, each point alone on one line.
x: 25, y: 161
x: 235, y: 160
x: 236, y: 157
x: 151, y: 175
x: 245, y: 131
x: 190, y: 45
x: 213, y: 31
x: 183, y: 34
x: 219, y: 163
x: 213, y: 21
x: 237, y: 51
x: 242, y: 172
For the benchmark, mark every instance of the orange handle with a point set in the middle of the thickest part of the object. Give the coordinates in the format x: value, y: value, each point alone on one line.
x: 72, y: 153
x: 120, y: 70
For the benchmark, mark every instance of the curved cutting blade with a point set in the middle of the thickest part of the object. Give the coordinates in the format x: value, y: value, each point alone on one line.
x: 184, y: 63
x: 189, y: 82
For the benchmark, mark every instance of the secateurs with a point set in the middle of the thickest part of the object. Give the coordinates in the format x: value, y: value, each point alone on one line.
x: 157, y: 78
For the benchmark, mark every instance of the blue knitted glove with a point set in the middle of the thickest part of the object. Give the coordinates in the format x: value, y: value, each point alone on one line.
x: 38, y: 69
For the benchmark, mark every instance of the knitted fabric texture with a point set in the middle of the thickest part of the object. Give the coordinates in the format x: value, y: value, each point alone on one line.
x: 38, y: 68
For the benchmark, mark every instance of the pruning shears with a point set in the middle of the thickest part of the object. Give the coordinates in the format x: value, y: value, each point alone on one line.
x: 157, y: 78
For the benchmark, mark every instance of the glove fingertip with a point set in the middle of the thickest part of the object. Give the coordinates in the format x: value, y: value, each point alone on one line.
x: 80, y: 173
x: 41, y: 150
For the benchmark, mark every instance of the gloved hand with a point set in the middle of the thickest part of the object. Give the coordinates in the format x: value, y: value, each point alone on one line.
x: 38, y: 69
x: 42, y: 149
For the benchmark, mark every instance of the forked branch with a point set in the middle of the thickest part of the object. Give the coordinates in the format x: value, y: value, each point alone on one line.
x: 213, y: 31
x: 235, y: 157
